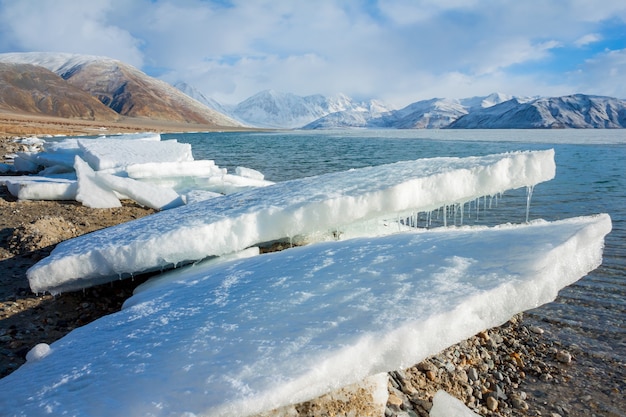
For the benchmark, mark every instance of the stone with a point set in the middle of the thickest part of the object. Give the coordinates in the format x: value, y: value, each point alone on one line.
x: 518, y: 403
x: 563, y: 356
x: 472, y: 374
x: 394, y: 400
x: 492, y: 404
x: 426, y: 366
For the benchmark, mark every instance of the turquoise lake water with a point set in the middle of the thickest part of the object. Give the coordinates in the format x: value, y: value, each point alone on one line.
x: 591, y: 178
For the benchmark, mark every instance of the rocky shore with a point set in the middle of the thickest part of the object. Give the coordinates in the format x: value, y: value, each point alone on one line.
x: 517, y: 369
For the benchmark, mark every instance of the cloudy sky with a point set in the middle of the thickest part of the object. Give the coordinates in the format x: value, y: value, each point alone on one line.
x: 399, y: 51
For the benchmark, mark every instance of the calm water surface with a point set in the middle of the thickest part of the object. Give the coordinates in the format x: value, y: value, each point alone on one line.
x: 591, y: 178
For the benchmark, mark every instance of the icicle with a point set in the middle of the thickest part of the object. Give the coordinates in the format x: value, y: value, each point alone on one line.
x: 461, y: 210
x: 477, y: 207
x: 445, y: 216
x: 529, y: 195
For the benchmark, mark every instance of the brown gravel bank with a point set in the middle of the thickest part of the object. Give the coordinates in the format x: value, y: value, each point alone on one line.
x: 518, y: 369
x: 13, y: 125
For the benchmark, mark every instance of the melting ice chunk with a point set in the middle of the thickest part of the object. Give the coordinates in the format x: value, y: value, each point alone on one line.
x: 252, y: 335
x: 223, y: 225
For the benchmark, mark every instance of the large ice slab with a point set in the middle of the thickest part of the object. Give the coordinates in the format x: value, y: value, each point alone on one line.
x: 106, y: 154
x: 250, y: 335
x: 326, y: 202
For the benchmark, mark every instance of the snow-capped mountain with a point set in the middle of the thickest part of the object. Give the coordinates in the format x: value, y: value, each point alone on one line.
x: 574, y: 111
x: 483, y: 102
x: 429, y: 114
x: 207, y: 101
x: 358, y: 115
x: 435, y: 113
x: 285, y: 110
x: 123, y: 88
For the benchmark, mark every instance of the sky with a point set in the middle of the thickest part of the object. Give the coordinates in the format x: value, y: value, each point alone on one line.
x: 397, y: 51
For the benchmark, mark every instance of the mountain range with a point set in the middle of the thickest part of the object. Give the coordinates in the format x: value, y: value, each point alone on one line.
x: 99, y: 88
x: 30, y: 79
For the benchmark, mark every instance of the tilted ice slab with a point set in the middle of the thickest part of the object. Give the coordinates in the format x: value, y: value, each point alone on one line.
x: 223, y: 225
x: 250, y: 335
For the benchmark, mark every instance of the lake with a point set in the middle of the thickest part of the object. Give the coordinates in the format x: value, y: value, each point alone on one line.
x: 591, y: 178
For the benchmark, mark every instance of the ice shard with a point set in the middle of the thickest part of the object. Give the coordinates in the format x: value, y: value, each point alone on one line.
x: 327, y: 202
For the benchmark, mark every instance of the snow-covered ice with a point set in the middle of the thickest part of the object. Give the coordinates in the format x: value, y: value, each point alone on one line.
x: 250, y: 335
x: 285, y: 210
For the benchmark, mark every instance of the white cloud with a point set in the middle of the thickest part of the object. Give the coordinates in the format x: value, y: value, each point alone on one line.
x: 397, y: 50
x: 587, y: 39
x: 603, y: 74
x: 67, y: 26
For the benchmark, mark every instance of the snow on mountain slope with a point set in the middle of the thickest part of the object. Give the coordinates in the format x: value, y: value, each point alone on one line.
x: 123, y: 88
x: 366, y: 114
x: 574, y: 111
x: 285, y: 110
x: 482, y: 102
x: 429, y: 114
x: 207, y: 101
x: 435, y: 113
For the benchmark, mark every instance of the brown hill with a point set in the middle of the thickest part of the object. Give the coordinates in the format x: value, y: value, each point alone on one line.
x: 120, y: 87
x: 31, y: 89
x: 132, y: 93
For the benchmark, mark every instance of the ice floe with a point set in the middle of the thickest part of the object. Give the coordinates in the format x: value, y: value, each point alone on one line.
x: 141, y: 167
x: 250, y: 335
x: 288, y: 209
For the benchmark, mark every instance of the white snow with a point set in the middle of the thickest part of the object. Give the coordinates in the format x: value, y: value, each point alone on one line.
x: 251, y: 335
x: 285, y: 210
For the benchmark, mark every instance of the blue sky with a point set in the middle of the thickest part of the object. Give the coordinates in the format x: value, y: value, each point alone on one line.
x: 398, y: 51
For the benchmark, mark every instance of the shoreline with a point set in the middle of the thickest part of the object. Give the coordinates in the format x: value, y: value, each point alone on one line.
x: 516, y: 364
